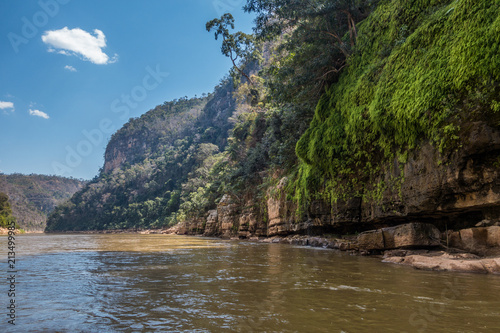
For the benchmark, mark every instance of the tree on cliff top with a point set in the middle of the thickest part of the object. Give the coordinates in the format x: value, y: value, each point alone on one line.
x: 317, y: 38
x: 239, y: 47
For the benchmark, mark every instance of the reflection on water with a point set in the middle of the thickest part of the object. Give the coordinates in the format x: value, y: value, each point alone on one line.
x: 135, y: 283
x: 45, y: 243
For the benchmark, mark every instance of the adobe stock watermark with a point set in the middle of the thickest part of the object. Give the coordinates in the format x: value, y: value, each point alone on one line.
x: 226, y: 6
x: 261, y: 313
x: 30, y: 27
x: 420, y: 319
x: 120, y: 106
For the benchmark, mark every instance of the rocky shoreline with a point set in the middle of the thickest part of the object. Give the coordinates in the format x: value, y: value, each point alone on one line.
x: 444, y: 261
x: 419, y: 245
x: 437, y: 212
x: 5, y: 231
x: 433, y: 259
x: 429, y: 202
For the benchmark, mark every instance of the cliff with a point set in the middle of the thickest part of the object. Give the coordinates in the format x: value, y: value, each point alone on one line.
x: 458, y: 194
x: 147, y: 162
x: 33, y: 197
x: 137, y: 139
x: 409, y: 133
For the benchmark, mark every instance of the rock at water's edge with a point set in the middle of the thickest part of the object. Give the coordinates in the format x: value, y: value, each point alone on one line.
x: 401, y: 236
x: 448, y: 262
x: 483, y: 241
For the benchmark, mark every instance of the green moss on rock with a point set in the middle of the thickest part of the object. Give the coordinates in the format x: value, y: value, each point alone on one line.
x: 420, y: 71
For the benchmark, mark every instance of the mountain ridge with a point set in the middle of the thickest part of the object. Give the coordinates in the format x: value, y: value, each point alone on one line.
x: 33, y: 197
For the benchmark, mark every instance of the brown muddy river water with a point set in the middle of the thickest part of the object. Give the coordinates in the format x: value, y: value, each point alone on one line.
x: 148, y: 283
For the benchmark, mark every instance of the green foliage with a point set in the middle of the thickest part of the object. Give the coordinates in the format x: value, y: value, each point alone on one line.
x: 421, y: 69
x: 204, y: 187
x: 33, y: 197
x: 6, y: 218
x: 156, y: 129
x: 238, y: 46
x: 316, y: 38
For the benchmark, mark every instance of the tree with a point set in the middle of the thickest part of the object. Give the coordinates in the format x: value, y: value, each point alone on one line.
x: 6, y: 217
x: 238, y: 46
x: 317, y: 38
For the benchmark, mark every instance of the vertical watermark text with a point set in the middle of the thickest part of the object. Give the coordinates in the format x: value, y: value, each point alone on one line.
x: 11, y: 273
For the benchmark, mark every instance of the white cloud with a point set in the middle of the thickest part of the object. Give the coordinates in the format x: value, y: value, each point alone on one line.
x: 38, y: 113
x: 7, y: 107
x: 70, y: 68
x: 78, y: 42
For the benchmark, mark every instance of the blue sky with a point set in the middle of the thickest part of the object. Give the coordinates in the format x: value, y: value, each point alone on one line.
x: 74, y: 71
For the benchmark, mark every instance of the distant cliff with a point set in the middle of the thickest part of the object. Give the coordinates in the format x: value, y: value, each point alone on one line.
x: 146, y: 164
x: 33, y: 197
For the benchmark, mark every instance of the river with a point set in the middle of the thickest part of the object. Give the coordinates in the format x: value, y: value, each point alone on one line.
x: 166, y: 283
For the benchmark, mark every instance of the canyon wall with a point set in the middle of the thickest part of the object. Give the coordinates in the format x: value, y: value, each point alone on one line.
x: 455, y: 192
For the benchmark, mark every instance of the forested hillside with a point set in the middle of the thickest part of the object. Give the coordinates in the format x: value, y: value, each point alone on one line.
x: 149, y: 163
x: 33, y: 197
x: 337, y: 116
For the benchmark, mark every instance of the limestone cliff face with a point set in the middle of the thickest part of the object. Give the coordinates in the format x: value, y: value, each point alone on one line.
x: 230, y: 219
x: 142, y: 136
x: 459, y: 191
x: 452, y: 193
x: 116, y: 153
x: 160, y: 127
x: 480, y: 240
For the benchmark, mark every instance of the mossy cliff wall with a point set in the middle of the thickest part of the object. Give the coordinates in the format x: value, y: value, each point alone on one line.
x: 455, y: 195
x: 409, y: 133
